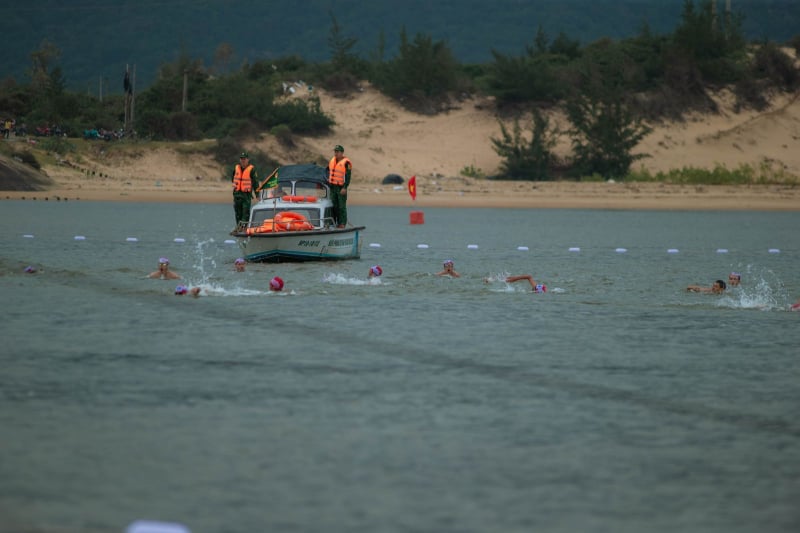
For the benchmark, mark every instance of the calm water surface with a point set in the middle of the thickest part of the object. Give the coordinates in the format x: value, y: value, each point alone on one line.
x: 614, y: 402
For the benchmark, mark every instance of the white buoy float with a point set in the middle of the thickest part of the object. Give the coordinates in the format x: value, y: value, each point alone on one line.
x: 621, y: 250
x: 472, y: 246
x: 722, y: 250
x: 179, y: 239
x: 27, y: 236
x: 80, y: 238
x: 230, y: 241
x: 574, y: 249
x: 672, y: 251
x: 154, y: 526
x: 132, y: 239
x: 422, y: 246
x: 522, y: 248
x: 374, y: 245
x: 774, y: 251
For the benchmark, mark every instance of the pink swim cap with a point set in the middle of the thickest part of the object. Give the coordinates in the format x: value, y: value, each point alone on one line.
x: 30, y: 270
x: 163, y: 261
x: 276, y: 283
x: 239, y: 261
x: 540, y: 287
x: 376, y: 270
x: 181, y: 289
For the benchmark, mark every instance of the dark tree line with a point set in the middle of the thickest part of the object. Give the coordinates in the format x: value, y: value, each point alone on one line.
x: 608, y: 89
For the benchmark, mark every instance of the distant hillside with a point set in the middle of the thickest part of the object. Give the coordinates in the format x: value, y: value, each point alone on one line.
x: 97, y: 38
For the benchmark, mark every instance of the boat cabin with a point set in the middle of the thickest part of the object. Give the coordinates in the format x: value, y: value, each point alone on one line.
x: 302, y: 190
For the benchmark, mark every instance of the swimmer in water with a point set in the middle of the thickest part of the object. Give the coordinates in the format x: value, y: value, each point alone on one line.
x: 449, y: 270
x: 163, y: 271
x: 718, y: 287
x: 375, y: 271
x: 239, y: 264
x: 180, y: 290
x: 276, y: 284
x: 734, y: 279
x: 535, y: 287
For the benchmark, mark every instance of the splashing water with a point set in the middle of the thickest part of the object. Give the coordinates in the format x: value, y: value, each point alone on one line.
x: 340, y: 279
x: 204, y: 261
x: 762, y: 295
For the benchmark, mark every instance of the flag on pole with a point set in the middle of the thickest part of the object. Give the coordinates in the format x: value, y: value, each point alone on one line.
x: 271, y: 182
x: 412, y: 187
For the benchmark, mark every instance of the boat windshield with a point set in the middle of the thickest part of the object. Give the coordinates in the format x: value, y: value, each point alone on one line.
x: 296, y: 188
x: 310, y: 188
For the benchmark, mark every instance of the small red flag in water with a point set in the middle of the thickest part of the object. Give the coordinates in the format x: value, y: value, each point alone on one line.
x: 412, y: 187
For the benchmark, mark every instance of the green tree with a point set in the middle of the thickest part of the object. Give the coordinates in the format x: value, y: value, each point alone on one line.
x: 523, y: 159
x: 422, y: 73
x: 604, y: 133
x: 714, y: 46
x: 341, y: 46
x: 222, y: 56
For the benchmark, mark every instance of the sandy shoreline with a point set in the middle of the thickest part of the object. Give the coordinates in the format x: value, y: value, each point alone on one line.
x: 447, y: 152
x: 539, y: 195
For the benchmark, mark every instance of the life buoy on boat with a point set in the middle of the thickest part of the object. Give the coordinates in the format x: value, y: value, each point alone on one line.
x: 291, y: 221
x: 297, y: 199
x: 268, y: 226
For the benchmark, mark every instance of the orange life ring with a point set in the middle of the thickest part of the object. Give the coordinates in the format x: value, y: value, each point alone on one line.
x: 291, y: 221
x: 268, y: 226
x: 297, y: 199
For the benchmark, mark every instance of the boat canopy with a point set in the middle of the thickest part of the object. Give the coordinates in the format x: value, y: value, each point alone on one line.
x: 310, y: 172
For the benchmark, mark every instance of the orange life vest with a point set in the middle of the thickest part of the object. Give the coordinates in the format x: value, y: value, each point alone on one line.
x: 241, y: 179
x: 337, y: 171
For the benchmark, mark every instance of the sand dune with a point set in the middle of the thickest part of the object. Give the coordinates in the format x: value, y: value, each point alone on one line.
x: 382, y: 138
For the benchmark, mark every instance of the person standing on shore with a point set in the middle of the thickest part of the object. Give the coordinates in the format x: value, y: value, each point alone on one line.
x: 339, y: 171
x: 245, y: 181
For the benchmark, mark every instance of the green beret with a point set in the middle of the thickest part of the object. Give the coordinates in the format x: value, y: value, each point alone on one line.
x: 338, y: 148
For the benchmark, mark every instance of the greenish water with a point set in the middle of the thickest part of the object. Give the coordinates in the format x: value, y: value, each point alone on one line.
x: 616, y: 401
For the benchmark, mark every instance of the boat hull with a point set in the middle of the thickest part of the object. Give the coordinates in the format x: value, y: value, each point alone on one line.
x: 313, y: 245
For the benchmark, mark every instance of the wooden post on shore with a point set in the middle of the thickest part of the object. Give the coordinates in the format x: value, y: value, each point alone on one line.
x: 728, y: 17
x: 133, y: 95
x: 185, y: 88
x: 130, y: 89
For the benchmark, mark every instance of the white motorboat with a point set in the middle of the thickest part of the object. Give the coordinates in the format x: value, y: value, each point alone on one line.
x: 294, y: 221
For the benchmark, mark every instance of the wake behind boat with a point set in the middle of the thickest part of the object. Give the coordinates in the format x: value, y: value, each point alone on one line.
x: 294, y: 221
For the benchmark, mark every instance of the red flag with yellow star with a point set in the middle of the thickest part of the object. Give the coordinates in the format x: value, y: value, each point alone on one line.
x: 412, y: 187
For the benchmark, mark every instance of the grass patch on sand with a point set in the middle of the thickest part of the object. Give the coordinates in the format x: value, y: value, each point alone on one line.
x: 767, y: 173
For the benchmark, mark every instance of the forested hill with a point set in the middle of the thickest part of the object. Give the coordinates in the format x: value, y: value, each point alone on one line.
x: 98, y: 37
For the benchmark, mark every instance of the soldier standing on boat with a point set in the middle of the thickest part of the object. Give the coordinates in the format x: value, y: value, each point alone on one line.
x: 339, y: 170
x: 245, y: 181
